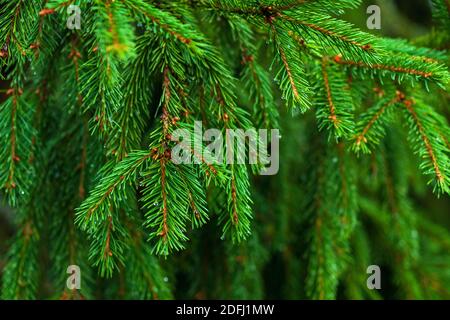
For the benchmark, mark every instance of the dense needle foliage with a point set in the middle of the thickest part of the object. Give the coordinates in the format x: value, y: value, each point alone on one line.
x: 86, y: 123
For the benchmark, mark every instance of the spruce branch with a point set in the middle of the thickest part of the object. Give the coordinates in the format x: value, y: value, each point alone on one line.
x: 321, y: 265
x: 21, y: 273
x: 237, y: 215
x: 426, y: 55
x: 104, y: 194
x: 196, y: 194
x: 98, y: 215
x: 370, y: 127
x: 17, y: 126
x: 167, y: 213
x: 130, y: 116
x: 115, y: 35
x: 291, y: 75
x: 331, y: 200
x: 399, y: 67
x: 334, y: 102
x: 254, y: 76
x: 257, y: 82
x: 163, y: 20
x: 267, y: 7
x: 401, y: 217
x: 18, y: 27
x: 428, y: 144
x: 331, y: 33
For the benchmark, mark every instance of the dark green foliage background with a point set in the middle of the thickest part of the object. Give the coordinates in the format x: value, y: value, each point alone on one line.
x: 275, y: 261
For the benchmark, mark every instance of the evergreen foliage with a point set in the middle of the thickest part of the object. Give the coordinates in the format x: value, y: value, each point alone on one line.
x: 86, y: 134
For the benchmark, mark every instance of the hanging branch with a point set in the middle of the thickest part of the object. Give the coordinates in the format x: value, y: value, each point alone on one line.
x: 428, y: 144
x: 370, y: 128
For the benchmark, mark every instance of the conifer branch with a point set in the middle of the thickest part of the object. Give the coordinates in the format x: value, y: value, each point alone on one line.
x: 333, y: 116
x: 114, y: 32
x: 327, y: 32
x: 293, y: 82
x: 371, y: 126
x: 255, y: 77
x: 236, y: 220
x: 162, y: 19
x: 399, y: 68
x: 320, y: 254
x: 95, y: 113
x: 110, y: 183
x: 334, y: 102
x: 428, y: 144
x: 98, y: 216
x: 413, y: 72
x: 17, y: 137
x: 166, y: 215
x: 22, y: 264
